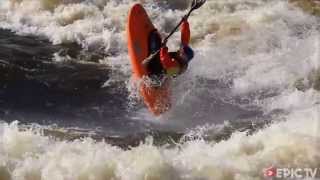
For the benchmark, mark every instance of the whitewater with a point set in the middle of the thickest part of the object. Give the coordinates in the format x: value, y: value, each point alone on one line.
x: 248, y: 101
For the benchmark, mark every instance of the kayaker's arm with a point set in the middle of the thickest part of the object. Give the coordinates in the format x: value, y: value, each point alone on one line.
x: 165, y: 57
x: 185, y: 32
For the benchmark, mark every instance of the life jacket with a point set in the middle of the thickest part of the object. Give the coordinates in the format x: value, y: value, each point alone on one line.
x: 172, y: 62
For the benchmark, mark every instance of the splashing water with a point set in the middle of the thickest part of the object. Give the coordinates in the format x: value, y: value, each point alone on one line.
x: 250, y: 54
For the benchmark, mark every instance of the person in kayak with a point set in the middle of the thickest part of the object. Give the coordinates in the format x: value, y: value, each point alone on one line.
x: 170, y: 64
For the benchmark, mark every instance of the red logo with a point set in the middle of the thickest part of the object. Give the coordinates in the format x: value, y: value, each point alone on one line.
x: 270, y: 172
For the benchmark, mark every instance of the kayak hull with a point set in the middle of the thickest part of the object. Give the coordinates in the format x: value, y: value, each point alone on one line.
x: 139, y: 26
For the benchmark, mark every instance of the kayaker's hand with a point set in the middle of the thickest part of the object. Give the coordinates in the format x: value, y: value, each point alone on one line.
x: 164, y: 42
x: 185, y: 18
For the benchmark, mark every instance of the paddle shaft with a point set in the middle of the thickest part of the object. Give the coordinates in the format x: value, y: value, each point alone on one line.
x: 175, y: 29
x: 148, y: 59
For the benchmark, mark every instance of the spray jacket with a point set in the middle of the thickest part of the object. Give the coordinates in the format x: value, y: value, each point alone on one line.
x: 171, y: 61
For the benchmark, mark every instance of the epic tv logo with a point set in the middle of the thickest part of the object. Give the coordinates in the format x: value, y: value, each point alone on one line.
x: 293, y: 173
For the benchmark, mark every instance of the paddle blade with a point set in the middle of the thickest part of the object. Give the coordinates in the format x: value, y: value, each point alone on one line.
x: 197, y: 3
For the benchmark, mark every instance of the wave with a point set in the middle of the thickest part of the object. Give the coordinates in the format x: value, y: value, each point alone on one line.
x: 256, y: 63
x: 30, y: 155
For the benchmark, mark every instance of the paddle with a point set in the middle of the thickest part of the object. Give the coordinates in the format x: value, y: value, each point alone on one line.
x: 194, y: 5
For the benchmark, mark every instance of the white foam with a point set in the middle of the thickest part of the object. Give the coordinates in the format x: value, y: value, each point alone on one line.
x: 293, y: 100
x: 29, y: 155
x: 252, y: 46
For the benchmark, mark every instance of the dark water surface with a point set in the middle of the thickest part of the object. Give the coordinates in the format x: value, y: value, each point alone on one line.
x: 70, y: 95
x: 34, y: 88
